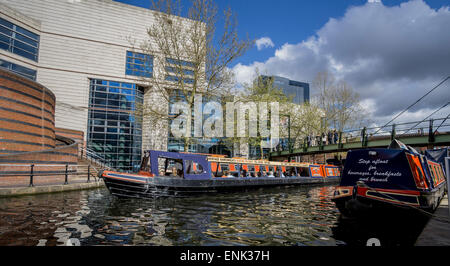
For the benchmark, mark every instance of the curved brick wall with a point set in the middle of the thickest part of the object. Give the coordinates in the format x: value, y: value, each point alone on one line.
x: 27, y: 133
x: 76, y: 135
x: 27, y: 115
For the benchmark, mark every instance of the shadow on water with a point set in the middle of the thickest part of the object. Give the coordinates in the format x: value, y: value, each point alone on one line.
x: 303, y: 216
x: 391, y: 230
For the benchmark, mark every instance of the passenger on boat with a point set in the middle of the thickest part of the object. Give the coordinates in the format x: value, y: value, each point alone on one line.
x: 174, y: 172
x: 292, y: 172
x: 244, y: 173
x: 264, y: 174
x: 180, y: 173
x: 271, y: 174
x: 227, y: 174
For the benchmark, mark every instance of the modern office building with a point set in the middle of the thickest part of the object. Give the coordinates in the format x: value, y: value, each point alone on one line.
x: 81, y: 49
x: 299, y: 91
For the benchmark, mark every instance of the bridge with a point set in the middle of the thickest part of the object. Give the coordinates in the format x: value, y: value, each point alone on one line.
x: 429, y: 133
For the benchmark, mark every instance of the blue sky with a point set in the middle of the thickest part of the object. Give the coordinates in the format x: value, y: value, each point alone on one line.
x: 390, y: 51
x: 284, y: 21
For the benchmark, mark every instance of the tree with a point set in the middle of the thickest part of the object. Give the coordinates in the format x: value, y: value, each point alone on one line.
x: 261, y: 90
x: 188, y: 59
x: 340, y: 103
x: 305, y: 121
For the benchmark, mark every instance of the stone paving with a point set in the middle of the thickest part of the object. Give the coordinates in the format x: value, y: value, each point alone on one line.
x: 437, y: 231
x: 17, y: 191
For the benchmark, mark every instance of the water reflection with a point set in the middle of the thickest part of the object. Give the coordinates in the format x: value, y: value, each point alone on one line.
x: 275, y: 216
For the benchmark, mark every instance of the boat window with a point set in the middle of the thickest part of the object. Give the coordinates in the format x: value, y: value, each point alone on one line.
x: 303, y: 171
x: 258, y: 172
x: 251, y: 171
x: 170, y: 167
x: 145, y: 162
x: 264, y: 171
x: 290, y: 171
x: 193, y: 168
x: 224, y: 167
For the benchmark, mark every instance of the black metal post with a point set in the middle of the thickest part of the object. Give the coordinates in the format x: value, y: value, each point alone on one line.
x: 363, y: 137
x: 340, y: 140
x: 305, y: 144
x: 31, y: 175
x: 66, y: 181
x: 393, y: 133
x: 430, y: 132
x: 89, y: 173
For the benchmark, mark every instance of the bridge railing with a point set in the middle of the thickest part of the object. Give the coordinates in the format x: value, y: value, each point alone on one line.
x: 430, y: 128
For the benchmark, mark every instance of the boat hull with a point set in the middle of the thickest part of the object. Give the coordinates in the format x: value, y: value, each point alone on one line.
x: 359, y: 205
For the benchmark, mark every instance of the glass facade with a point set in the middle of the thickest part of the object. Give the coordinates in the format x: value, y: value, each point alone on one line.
x: 299, y: 91
x: 23, y: 71
x: 114, y: 131
x: 18, y: 40
x: 140, y: 65
x: 254, y: 152
x: 197, y: 145
x: 175, y: 67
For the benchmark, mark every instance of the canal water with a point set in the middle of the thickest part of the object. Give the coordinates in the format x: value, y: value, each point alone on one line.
x: 287, y: 216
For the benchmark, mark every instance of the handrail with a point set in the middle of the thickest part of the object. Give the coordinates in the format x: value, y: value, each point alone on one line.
x: 363, y: 135
x: 94, y: 157
x: 73, y: 170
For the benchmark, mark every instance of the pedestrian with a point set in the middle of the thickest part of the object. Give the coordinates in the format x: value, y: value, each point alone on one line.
x: 336, y: 137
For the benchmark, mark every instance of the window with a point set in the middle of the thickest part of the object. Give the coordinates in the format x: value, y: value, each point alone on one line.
x: 140, y: 65
x: 193, y: 168
x: 113, y: 130
x: 23, y: 71
x: 18, y: 40
x: 170, y: 167
x: 179, y: 69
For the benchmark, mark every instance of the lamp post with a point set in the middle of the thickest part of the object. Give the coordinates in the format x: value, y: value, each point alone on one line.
x: 289, y: 136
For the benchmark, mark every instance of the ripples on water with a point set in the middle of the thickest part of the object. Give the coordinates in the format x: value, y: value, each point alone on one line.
x: 270, y: 216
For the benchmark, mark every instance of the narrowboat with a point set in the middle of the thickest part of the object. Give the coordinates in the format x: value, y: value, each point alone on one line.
x: 386, y: 181
x: 166, y: 172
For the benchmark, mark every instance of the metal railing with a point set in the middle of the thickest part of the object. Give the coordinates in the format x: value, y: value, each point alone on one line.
x: 51, y: 170
x: 94, y: 157
x: 429, y: 128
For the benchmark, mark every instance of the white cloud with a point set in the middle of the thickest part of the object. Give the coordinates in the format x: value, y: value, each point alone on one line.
x: 390, y: 55
x: 264, y: 42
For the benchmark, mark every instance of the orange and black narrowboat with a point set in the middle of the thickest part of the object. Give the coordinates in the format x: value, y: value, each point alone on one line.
x: 377, y: 181
x: 162, y: 172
